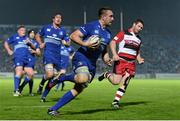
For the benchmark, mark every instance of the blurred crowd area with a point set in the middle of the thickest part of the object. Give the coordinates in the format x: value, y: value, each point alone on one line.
x: 161, y: 52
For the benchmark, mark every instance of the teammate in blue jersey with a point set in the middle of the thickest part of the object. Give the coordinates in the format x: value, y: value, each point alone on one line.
x: 20, y: 44
x: 84, y: 60
x: 34, y: 52
x: 50, y: 38
x: 67, y: 53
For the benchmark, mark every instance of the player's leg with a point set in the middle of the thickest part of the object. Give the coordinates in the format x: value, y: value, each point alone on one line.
x: 31, y: 83
x: 49, y: 72
x: 62, y: 72
x: 62, y: 86
x: 66, y: 98
x: 121, y: 90
x: 82, y: 77
x: 52, y: 83
x: 17, y: 79
x: 29, y: 76
x: 127, y: 69
x: 57, y: 87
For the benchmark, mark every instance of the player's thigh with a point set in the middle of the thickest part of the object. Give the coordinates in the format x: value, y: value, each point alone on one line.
x: 116, y: 78
x: 29, y: 71
x: 49, y: 70
x: 19, y: 71
x: 82, y: 74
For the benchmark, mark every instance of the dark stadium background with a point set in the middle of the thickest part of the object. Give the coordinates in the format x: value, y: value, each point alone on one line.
x: 159, y: 15
x: 160, y: 35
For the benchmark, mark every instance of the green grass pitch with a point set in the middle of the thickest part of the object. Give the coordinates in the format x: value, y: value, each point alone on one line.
x: 144, y: 100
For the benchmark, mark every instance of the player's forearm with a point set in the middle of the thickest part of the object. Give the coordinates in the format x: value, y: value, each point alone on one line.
x: 38, y: 39
x: 77, y: 38
x: 31, y: 45
x: 113, y: 47
x: 7, y: 48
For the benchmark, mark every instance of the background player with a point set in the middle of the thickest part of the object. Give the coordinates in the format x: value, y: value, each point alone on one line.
x: 67, y: 53
x: 50, y: 38
x: 128, y: 51
x: 32, y: 56
x: 20, y: 52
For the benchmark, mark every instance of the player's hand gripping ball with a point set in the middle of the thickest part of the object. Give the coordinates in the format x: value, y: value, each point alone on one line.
x: 95, y: 41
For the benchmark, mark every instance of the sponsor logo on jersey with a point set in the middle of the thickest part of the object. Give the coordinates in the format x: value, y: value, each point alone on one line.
x: 48, y: 30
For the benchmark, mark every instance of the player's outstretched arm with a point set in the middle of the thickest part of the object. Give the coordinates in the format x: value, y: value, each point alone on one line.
x: 8, y: 48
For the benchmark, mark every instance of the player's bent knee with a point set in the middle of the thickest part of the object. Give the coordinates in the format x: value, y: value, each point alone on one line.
x: 49, y: 75
x: 116, y: 79
x: 82, y: 78
x: 82, y: 74
x: 127, y: 74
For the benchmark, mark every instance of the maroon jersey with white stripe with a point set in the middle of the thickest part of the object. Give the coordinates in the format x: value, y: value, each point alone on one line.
x: 129, y: 44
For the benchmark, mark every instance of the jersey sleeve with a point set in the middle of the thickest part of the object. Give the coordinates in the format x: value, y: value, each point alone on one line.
x: 10, y: 40
x: 119, y: 37
x: 66, y: 36
x: 42, y: 31
x: 36, y: 45
x: 85, y: 29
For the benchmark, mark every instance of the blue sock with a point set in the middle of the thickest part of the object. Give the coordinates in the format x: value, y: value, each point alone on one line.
x: 69, y: 77
x: 27, y: 79
x: 67, y: 97
x: 16, y: 82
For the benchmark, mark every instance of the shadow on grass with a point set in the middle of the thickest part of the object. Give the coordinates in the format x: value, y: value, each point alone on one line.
x: 105, y: 109
x: 133, y: 103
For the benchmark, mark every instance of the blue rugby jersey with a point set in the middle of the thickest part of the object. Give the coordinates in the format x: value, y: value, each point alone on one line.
x: 66, y: 51
x: 20, y: 48
x: 94, y: 28
x: 53, y: 37
x: 36, y: 45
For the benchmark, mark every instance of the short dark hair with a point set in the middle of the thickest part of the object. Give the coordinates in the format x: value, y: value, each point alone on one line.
x: 138, y: 21
x: 20, y: 26
x: 31, y: 30
x: 56, y: 15
x: 102, y: 10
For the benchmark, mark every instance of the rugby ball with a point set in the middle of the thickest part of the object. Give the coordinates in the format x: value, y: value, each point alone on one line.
x: 95, y: 39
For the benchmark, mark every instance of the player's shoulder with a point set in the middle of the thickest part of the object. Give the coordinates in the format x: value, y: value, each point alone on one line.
x: 47, y: 26
x: 139, y: 37
x: 93, y: 24
x: 127, y: 32
x: 15, y: 36
x: 108, y: 30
